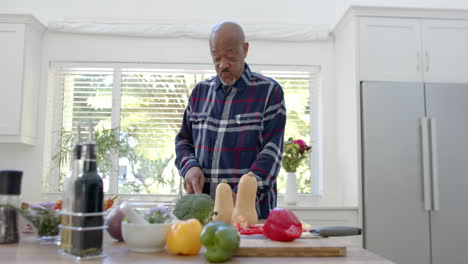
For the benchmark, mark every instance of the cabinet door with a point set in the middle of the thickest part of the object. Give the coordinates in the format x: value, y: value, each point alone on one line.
x: 445, y: 51
x: 396, y: 225
x: 447, y: 103
x: 11, y: 77
x: 389, y: 49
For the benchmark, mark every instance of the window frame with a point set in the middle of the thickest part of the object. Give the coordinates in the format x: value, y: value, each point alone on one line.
x: 51, y: 177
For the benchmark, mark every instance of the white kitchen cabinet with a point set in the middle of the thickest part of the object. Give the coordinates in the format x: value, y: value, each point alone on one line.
x: 445, y: 50
x: 20, y: 50
x: 390, y: 49
x: 413, y: 50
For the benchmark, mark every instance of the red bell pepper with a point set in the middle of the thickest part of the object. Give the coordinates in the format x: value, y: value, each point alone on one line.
x: 282, y: 225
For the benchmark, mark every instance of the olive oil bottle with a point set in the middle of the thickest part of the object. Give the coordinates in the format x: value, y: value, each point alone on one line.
x: 69, y: 195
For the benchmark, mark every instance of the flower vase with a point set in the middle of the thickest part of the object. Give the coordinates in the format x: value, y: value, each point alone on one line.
x: 291, y: 197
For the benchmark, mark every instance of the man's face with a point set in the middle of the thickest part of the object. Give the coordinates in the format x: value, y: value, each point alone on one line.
x: 228, y: 58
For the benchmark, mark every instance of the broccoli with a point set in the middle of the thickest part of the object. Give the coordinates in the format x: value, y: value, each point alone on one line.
x: 199, y: 206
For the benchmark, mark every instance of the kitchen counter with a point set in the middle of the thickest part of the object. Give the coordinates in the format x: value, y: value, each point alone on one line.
x: 30, y: 251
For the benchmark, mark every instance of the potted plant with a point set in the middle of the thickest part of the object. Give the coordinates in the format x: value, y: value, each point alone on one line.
x: 108, y: 141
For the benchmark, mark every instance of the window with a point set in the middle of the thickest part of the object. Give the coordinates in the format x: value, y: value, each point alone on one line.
x: 147, y: 105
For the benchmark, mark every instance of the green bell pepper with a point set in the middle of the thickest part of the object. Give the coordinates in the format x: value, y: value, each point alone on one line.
x: 220, y: 240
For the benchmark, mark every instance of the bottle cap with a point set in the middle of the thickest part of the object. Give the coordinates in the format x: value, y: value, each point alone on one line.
x: 77, y: 151
x: 89, y: 151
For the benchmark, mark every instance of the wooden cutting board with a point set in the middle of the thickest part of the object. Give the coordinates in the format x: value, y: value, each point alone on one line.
x: 260, y: 246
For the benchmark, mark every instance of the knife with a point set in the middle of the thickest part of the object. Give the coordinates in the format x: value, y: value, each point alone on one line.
x: 333, y: 231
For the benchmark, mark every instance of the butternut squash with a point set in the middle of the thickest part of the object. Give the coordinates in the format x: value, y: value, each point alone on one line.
x: 223, y: 202
x: 245, y: 200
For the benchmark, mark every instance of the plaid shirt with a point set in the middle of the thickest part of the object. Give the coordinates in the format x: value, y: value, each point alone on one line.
x: 228, y: 134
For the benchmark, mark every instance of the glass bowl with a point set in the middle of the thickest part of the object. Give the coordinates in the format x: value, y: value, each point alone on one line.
x: 45, y: 221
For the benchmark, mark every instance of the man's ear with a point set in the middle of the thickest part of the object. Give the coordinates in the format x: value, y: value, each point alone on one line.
x: 246, y: 49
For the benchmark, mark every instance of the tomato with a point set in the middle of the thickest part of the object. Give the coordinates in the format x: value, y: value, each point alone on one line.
x: 57, y: 205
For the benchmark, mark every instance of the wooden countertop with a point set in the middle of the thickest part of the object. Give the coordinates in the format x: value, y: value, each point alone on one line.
x: 30, y: 251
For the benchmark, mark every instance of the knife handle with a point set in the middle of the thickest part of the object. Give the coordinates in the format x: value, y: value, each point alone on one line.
x: 333, y: 231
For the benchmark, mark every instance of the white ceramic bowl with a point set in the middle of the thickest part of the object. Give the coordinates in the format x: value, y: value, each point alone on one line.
x: 145, y: 238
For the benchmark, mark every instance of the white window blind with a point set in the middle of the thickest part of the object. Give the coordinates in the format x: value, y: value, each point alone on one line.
x: 297, y: 86
x: 147, y: 105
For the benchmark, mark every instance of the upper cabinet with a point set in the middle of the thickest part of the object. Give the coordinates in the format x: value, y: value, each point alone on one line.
x: 413, y: 49
x: 20, y: 66
x: 389, y: 49
x: 445, y: 50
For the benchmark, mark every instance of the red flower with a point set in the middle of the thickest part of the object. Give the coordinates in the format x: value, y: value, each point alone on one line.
x: 294, y: 152
x: 300, y: 142
x: 302, y: 145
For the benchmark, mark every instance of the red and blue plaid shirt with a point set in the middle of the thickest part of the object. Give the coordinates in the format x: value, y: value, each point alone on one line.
x: 228, y: 134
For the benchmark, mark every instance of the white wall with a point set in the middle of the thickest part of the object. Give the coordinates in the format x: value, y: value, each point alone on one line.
x: 315, y: 12
x: 456, y: 4
x: 347, y: 115
x: 243, y: 11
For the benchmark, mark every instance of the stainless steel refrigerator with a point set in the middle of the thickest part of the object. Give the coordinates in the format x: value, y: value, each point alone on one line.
x: 415, y: 171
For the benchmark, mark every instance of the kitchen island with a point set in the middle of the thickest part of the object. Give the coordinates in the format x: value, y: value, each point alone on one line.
x: 30, y: 251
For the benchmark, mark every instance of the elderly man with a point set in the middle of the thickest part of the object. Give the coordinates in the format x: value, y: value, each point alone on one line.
x: 234, y: 123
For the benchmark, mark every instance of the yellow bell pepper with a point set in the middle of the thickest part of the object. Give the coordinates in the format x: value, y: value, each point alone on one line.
x: 184, y: 237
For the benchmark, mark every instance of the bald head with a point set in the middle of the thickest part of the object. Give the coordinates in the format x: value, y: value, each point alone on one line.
x: 228, y: 30
x: 228, y: 50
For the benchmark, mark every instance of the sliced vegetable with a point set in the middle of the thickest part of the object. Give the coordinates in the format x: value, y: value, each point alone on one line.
x: 252, y: 230
x: 240, y: 222
x: 282, y: 225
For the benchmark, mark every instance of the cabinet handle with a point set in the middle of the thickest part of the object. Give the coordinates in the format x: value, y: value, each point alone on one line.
x: 418, y: 64
x: 426, y: 162
x: 427, y: 61
x: 434, y: 164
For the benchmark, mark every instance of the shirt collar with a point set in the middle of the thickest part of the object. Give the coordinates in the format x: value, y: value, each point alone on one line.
x: 244, y: 80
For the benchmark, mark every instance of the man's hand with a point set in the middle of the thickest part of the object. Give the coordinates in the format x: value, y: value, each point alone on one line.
x: 194, y: 180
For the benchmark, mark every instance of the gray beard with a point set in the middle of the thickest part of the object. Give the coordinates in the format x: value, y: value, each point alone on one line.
x: 228, y: 84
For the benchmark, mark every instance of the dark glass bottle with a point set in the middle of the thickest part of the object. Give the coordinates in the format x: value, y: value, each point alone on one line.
x: 88, y: 198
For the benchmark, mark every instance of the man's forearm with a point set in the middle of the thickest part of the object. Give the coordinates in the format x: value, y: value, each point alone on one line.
x: 185, y: 157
